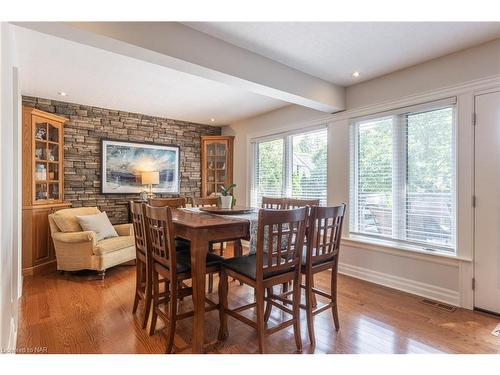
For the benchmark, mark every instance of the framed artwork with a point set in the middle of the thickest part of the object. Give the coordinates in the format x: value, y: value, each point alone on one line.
x: 122, y: 164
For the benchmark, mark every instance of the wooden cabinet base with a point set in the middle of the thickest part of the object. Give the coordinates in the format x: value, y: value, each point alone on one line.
x: 41, y: 269
x: 38, y: 249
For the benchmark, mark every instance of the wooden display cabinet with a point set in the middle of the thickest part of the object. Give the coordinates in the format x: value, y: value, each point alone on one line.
x: 43, y: 186
x: 216, y: 163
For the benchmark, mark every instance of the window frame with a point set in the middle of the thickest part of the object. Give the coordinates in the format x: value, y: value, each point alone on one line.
x: 399, y: 177
x: 287, y: 138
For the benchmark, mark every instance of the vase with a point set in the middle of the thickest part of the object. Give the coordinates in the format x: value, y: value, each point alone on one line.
x: 226, y: 202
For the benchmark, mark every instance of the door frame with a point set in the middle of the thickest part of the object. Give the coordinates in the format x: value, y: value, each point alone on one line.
x: 475, y: 94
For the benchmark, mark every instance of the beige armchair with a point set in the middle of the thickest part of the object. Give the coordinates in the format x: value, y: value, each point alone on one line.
x: 79, y: 250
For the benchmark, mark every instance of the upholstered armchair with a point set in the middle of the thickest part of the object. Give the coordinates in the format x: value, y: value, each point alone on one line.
x: 79, y: 250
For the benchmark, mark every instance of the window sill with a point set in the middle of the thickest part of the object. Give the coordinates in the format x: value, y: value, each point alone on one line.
x: 402, y: 250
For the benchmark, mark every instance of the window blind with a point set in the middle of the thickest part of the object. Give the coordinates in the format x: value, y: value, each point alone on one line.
x: 403, y: 177
x: 290, y: 165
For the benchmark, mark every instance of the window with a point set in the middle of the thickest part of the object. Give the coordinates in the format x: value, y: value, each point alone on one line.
x: 403, y: 177
x: 290, y: 165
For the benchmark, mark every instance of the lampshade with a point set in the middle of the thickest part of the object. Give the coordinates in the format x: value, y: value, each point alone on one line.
x: 152, y: 178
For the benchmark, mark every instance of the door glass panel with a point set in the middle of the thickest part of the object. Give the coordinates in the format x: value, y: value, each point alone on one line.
x: 53, y: 133
x: 53, y: 171
x: 40, y: 150
x: 40, y: 171
x: 41, y: 131
x: 53, y: 154
x: 54, y: 190
x: 40, y: 191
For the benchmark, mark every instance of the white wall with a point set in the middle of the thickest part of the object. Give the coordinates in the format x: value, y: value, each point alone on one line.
x: 10, y: 200
x: 460, y: 74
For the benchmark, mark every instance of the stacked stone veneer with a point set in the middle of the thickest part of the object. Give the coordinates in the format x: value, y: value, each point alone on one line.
x: 87, y: 126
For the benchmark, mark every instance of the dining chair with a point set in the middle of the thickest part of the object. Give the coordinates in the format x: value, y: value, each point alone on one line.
x: 174, y: 266
x: 280, y: 236
x: 143, y: 279
x: 274, y: 203
x: 179, y: 202
x: 296, y: 202
x: 209, y: 202
x: 322, y: 253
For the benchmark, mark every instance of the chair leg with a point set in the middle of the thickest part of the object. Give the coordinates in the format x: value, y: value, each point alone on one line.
x: 309, y: 309
x: 172, y: 317
x: 296, y: 312
x: 335, y: 311
x: 102, y: 274
x: 223, y: 286
x: 210, y: 282
x: 138, y: 282
x: 269, y: 307
x: 313, y: 298
x: 154, y: 313
x: 148, y: 297
x: 259, y: 294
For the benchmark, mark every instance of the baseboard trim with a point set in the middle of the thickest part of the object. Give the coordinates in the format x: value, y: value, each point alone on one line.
x: 40, y: 269
x: 418, y: 288
x: 12, y: 336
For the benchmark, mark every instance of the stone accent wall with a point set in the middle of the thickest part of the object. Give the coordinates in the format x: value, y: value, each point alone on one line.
x: 85, y: 128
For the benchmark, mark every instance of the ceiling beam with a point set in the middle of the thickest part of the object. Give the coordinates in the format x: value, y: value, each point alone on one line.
x: 177, y: 46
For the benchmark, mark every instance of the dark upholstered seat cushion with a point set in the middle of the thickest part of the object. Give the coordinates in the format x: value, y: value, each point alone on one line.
x: 182, y: 244
x: 183, y: 260
x: 303, y: 258
x: 246, y: 265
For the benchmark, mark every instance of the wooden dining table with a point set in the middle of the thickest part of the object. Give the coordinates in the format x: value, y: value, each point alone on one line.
x: 201, y: 229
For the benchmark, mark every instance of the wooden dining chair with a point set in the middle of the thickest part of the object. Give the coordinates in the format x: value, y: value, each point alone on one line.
x: 322, y: 253
x: 174, y: 266
x: 179, y: 202
x: 143, y: 278
x: 209, y: 202
x: 280, y: 237
x: 296, y: 202
x: 274, y: 203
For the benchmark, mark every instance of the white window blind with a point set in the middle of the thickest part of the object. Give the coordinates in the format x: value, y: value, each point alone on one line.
x: 403, y: 176
x: 290, y: 165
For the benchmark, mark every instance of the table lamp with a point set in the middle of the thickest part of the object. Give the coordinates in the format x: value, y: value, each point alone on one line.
x: 150, y: 178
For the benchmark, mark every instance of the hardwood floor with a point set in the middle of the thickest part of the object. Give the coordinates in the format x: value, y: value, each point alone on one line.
x: 81, y: 314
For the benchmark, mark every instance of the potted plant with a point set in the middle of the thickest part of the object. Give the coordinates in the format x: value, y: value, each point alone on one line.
x: 226, y: 199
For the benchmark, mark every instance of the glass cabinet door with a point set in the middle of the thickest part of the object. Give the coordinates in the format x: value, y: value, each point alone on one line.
x: 216, y: 166
x: 47, y: 163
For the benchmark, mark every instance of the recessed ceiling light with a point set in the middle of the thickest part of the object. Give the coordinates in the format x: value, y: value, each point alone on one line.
x: 62, y: 93
x: 355, y: 74
x: 212, y: 120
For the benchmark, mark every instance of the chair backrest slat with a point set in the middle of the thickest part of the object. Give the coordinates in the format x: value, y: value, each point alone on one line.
x: 205, y: 202
x: 282, y: 233
x: 167, y: 202
x: 160, y: 232
x: 325, y: 227
x: 274, y: 203
x: 296, y: 203
x: 138, y: 222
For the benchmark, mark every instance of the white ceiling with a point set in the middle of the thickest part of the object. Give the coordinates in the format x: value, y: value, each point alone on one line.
x: 100, y: 78
x: 334, y: 50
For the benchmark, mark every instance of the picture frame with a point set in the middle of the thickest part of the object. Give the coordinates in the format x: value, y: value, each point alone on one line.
x: 123, y: 161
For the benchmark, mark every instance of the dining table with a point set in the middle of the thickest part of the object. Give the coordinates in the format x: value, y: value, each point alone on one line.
x: 200, y: 229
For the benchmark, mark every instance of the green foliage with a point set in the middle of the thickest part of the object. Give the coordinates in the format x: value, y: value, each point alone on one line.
x: 225, y: 191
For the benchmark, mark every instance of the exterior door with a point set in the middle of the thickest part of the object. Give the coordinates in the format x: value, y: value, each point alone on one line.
x: 487, y: 211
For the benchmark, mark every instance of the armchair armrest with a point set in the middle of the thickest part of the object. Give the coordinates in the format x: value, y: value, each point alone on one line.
x: 124, y: 229
x: 75, y: 237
